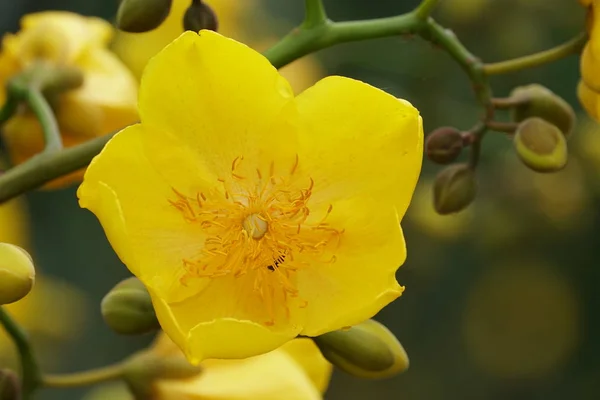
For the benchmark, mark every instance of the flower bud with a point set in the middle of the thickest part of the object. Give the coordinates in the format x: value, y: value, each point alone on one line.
x: 537, y: 101
x: 367, y: 350
x: 128, y: 309
x: 540, y: 145
x: 444, y: 145
x: 17, y: 273
x: 10, y: 389
x: 144, y: 368
x: 200, y: 16
x: 454, y: 189
x: 138, y: 16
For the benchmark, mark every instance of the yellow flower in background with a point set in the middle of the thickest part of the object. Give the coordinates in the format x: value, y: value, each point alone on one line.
x: 588, y: 89
x: 236, y: 20
x: 14, y: 228
x: 105, y: 102
x: 252, y: 215
x: 295, y: 371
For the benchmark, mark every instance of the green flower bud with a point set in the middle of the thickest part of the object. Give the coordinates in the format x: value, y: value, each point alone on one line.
x: 537, y: 101
x: 454, y: 189
x: 144, y: 368
x: 444, y: 145
x: 540, y: 145
x: 17, y: 273
x: 10, y: 389
x: 367, y: 350
x: 138, y: 16
x: 200, y: 16
x: 128, y: 309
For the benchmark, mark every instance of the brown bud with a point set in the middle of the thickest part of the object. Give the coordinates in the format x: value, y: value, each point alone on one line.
x: 444, y: 145
x: 10, y: 389
x: 454, y: 189
x: 537, y: 101
x: 540, y: 145
x: 200, y: 16
x: 139, y: 16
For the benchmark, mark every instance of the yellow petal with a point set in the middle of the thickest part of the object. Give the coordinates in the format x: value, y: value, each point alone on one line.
x: 306, y: 353
x: 222, y: 338
x: 360, y: 281
x: 590, y: 57
x: 221, y: 98
x: 272, y: 376
x: 57, y: 35
x: 589, y: 100
x: 107, y: 100
x: 131, y: 199
x: 359, y: 141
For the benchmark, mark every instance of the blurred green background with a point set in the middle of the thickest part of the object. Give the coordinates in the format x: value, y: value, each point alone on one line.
x: 501, y: 299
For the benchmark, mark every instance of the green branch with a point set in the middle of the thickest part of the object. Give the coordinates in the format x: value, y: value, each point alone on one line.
x: 41, y: 109
x: 315, y: 14
x: 45, y: 167
x: 302, y: 41
x: 85, y: 378
x: 573, y: 46
x: 315, y: 33
x: 31, y: 376
x: 425, y: 9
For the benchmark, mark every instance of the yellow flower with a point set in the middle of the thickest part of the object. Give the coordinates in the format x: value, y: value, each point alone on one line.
x: 234, y: 16
x: 295, y: 371
x: 588, y: 89
x: 252, y: 215
x: 105, y: 102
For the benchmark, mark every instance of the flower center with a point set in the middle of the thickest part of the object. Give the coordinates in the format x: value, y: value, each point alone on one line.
x: 259, y: 228
x: 256, y: 226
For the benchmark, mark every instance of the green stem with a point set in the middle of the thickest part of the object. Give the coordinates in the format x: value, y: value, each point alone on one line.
x: 43, y: 112
x: 472, y: 66
x: 9, y: 108
x: 425, y: 9
x: 506, y: 127
x: 315, y: 14
x: 44, y: 167
x: 85, y: 378
x: 31, y: 376
x: 506, y: 103
x: 573, y: 46
x: 302, y: 41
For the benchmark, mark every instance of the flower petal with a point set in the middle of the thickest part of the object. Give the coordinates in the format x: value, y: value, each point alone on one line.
x: 107, y: 100
x: 361, y: 280
x: 359, y: 141
x: 219, y: 97
x: 306, y: 353
x: 229, y: 318
x: 589, y: 100
x: 131, y: 199
x: 61, y: 36
x: 272, y: 376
